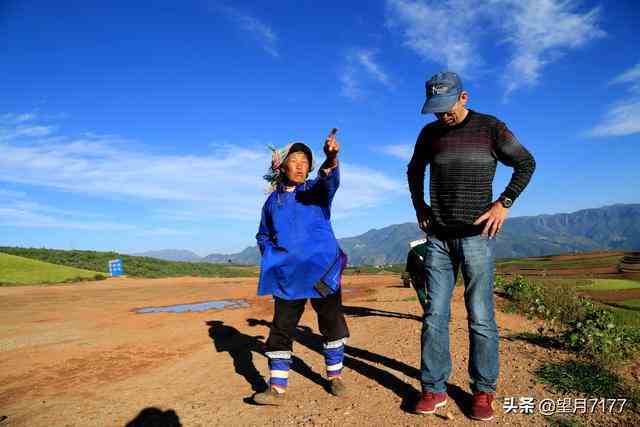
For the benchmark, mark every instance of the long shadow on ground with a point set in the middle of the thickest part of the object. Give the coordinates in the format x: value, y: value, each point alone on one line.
x: 405, y: 391
x: 354, y: 311
x: 241, y: 348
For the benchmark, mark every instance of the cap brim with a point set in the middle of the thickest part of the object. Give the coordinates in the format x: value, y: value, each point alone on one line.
x: 439, y: 104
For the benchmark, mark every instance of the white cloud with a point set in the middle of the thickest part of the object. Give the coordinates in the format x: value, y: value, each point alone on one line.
x: 17, y: 118
x: 401, y: 151
x: 631, y: 76
x: 452, y: 32
x: 18, y: 210
x: 366, y: 59
x: 360, y: 66
x: 259, y: 31
x: 439, y: 31
x: 349, y: 85
x: 27, y: 215
x: 24, y: 131
x: 362, y: 187
x: 225, y: 183
x: 623, y: 117
x: 540, y: 31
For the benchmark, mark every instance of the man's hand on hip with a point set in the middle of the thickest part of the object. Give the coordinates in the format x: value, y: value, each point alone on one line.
x: 424, y: 219
x: 494, y: 218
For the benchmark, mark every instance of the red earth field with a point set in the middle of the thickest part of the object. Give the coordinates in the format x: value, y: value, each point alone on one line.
x: 79, y: 355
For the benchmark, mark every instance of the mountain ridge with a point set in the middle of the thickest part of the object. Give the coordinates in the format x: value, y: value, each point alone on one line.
x: 612, y: 227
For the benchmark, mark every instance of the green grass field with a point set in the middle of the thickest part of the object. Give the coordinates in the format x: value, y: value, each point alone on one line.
x: 631, y: 303
x: 134, y: 266
x: 16, y: 270
x: 624, y: 316
x: 611, y: 285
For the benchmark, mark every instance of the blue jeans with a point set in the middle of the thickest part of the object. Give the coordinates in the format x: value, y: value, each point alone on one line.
x: 442, y: 260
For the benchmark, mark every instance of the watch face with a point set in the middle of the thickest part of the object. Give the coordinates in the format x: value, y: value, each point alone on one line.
x: 506, y: 202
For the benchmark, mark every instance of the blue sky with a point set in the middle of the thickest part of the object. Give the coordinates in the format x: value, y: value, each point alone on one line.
x: 144, y: 127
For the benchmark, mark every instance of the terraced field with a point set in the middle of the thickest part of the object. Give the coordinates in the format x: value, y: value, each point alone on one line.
x: 597, y: 275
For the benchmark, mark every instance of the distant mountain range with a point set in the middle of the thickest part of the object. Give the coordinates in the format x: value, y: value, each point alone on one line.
x: 615, y: 227
x: 172, y: 255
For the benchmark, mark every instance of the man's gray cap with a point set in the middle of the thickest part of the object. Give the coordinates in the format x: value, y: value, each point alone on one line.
x: 443, y: 90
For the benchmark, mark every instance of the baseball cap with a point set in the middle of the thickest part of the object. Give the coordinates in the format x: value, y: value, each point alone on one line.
x: 442, y: 92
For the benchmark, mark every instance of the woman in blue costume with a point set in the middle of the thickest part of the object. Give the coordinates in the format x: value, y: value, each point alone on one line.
x: 301, y: 260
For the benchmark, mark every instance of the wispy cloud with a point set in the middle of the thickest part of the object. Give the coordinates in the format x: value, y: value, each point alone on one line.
x: 25, y: 131
x: 258, y: 30
x: 401, y: 151
x: 17, y: 118
x: 363, y: 187
x: 540, y: 31
x: 631, y: 76
x: 623, y: 117
x: 18, y: 210
x: 452, y: 33
x: 360, y: 66
x: 439, y: 31
x: 225, y: 183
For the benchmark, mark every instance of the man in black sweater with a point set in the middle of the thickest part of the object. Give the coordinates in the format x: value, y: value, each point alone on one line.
x: 462, y: 148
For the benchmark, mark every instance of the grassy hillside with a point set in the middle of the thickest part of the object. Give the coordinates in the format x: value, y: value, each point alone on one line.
x: 24, y: 271
x: 133, y: 266
x: 603, y: 259
x: 369, y: 269
x: 611, y: 284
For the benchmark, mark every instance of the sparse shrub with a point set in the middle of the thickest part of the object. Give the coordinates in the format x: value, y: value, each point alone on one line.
x: 499, y: 282
x: 526, y: 295
x: 521, y: 290
x: 597, y: 336
x: 589, y: 329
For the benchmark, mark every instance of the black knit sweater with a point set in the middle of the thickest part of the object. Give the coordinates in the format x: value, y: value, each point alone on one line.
x: 463, y: 162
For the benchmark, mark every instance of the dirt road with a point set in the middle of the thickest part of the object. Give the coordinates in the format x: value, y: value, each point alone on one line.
x: 78, y: 355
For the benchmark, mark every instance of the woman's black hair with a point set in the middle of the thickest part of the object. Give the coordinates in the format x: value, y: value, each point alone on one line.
x: 300, y: 147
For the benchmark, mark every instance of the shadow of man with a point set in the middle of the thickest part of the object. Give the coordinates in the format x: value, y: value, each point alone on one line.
x: 355, y: 311
x: 241, y: 348
x: 154, y: 417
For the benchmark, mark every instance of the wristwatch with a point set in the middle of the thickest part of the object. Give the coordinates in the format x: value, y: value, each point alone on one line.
x: 506, y: 202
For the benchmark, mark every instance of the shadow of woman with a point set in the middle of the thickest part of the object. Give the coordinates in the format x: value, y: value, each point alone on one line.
x: 406, y: 391
x: 241, y: 348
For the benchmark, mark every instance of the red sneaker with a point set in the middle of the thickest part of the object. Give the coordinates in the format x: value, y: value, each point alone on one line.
x: 431, y: 401
x: 482, y: 406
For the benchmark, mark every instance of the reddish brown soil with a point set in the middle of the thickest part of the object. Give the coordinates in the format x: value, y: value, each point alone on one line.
x: 76, y: 355
x: 617, y: 295
x: 589, y: 255
x: 608, y: 272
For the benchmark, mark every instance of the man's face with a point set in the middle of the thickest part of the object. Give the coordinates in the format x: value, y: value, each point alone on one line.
x: 456, y: 114
x: 296, y: 168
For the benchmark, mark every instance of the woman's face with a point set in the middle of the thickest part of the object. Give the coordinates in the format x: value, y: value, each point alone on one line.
x: 296, y: 168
